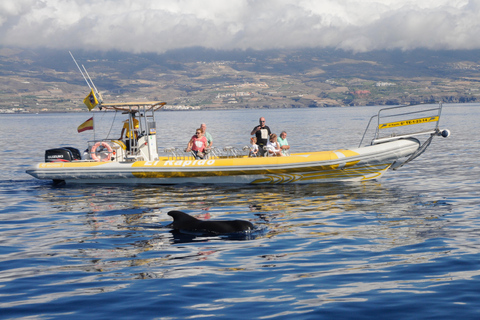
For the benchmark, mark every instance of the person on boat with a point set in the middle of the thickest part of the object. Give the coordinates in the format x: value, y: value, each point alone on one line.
x: 207, y: 135
x: 273, y: 148
x: 253, y: 147
x: 262, y: 133
x: 130, y: 137
x: 282, y: 141
x: 197, y: 144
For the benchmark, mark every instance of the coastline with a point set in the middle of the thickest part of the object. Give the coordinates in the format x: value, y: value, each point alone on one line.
x: 192, y: 109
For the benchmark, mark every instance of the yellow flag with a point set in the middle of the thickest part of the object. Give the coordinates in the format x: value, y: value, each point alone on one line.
x: 87, y: 125
x: 90, y: 101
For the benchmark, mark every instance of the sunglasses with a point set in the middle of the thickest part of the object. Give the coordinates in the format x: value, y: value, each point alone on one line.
x: 197, y: 132
x: 262, y: 121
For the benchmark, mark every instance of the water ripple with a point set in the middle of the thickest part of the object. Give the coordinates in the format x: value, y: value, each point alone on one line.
x: 403, y: 247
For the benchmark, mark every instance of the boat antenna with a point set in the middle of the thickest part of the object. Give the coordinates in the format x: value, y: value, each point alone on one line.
x: 93, y: 85
x: 88, y: 84
x: 89, y: 81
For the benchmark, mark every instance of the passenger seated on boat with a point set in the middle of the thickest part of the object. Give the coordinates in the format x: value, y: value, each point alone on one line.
x: 207, y: 135
x: 253, y: 147
x: 282, y: 141
x: 130, y: 137
x: 197, y: 144
x: 273, y: 148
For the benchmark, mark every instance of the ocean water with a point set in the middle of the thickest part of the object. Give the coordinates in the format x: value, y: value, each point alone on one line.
x: 403, y: 247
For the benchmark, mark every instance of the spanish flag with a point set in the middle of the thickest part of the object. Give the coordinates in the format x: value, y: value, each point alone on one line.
x: 91, y: 100
x: 87, y: 125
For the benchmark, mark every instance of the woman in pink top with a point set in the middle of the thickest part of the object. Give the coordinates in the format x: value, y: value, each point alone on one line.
x: 197, y: 144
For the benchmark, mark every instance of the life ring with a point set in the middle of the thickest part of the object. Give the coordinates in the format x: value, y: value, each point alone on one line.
x: 104, y: 145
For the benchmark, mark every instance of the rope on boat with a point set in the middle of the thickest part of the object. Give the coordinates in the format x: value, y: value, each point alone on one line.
x: 113, y: 121
x: 417, y: 153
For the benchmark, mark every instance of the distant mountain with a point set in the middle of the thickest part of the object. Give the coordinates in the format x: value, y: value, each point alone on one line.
x: 49, y: 79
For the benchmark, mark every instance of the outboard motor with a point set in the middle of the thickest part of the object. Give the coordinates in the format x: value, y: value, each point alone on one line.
x: 66, y: 154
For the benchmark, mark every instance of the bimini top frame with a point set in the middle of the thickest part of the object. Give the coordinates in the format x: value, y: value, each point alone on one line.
x: 146, y: 119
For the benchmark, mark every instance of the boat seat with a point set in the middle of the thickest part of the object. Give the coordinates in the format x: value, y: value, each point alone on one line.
x: 215, y: 152
x: 232, y: 152
x: 247, y: 152
x: 174, y: 152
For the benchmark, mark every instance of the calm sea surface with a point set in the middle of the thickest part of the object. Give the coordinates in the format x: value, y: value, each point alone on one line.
x: 403, y: 247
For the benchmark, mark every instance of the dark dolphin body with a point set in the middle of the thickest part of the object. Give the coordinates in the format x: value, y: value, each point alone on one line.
x: 185, y: 222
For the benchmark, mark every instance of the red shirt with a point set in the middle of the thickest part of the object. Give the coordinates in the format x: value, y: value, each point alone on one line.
x: 198, y: 144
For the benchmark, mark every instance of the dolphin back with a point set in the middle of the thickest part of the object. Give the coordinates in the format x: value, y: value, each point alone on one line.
x: 220, y: 226
x: 181, y: 219
x: 185, y: 222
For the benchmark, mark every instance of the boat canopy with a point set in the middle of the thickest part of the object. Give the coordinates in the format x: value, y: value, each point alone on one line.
x: 134, y: 106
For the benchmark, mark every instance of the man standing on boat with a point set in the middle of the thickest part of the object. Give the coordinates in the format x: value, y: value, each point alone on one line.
x: 207, y: 135
x: 262, y: 132
x: 128, y: 126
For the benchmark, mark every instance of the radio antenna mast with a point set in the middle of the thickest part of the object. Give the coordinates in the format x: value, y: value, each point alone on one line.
x: 88, y: 84
x: 93, y: 85
x: 87, y: 78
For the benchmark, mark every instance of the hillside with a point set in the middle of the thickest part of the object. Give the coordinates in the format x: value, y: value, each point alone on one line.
x: 46, y: 80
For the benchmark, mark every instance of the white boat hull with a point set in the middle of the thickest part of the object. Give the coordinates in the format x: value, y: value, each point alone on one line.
x: 328, y: 166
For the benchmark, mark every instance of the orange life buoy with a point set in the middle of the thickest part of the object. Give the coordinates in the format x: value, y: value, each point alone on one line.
x: 104, y: 145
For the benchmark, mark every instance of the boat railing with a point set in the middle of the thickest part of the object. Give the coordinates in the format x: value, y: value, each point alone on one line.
x: 215, y: 153
x: 394, y: 123
x: 232, y: 152
x: 174, y: 153
x: 113, y: 150
x: 102, y: 150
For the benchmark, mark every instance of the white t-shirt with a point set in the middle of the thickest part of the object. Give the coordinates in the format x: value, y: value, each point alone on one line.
x: 273, y: 146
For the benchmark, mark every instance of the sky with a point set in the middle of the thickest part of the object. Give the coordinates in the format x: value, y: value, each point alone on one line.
x: 156, y: 26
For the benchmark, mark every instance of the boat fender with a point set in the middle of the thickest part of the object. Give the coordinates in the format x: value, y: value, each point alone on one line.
x: 445, y: 133
x: 106, y: 146
x: 120, y: 143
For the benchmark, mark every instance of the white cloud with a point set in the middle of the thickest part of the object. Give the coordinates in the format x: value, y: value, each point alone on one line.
x: 158, y: 26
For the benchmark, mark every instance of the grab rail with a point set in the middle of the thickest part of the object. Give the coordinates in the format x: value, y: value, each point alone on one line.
x: 174, y: 153
x: 417, y: 114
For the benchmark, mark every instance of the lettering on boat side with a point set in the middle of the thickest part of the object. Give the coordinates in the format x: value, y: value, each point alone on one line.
x: 182, y: 163
x: 51, y: 165
x: 407, y: 122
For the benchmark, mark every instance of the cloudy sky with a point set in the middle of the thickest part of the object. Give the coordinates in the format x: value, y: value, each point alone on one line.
x: 159, y: 25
